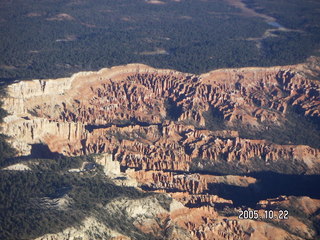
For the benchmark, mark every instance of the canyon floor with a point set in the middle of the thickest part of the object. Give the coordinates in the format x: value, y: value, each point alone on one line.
x: 206, y: 146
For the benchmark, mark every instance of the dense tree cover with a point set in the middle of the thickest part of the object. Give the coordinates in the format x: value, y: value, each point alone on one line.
x: 6, y: 151
x: 302, y: 18
x: 256, y: 165
x: 197, y: 36
x: 292, y: 14
x: 25, y: 198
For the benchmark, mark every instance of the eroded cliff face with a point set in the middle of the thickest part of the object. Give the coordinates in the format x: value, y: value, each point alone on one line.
x: 123, y: 111
x: 156, y: 125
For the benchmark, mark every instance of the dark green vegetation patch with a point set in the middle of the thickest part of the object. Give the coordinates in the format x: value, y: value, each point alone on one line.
x: 47, y: 39
x: 6, y: 151
x: 27, y: 199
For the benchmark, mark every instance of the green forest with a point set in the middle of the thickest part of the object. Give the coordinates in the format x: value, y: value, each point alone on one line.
x: 49, y: 39
x: 25, y: 198
x: 6, y: 151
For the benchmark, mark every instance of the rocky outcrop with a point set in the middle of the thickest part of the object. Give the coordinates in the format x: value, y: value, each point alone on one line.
x: 151, y: 128
x: 244, y: 150
x: 299, y: 212
x: 196, y: 200
x: 192, y: 183
x: 90, y: 226
x: 135, y: 93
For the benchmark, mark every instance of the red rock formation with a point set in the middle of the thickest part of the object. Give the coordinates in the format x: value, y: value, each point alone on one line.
x: 192, y: 183
x: 199, y: 199
x: 74, y: 120
x: 123, y: 111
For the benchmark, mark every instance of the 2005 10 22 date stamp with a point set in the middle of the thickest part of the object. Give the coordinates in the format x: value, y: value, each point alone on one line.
x: 264, y: 215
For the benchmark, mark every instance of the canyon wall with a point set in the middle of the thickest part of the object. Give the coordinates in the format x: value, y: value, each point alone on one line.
x: 125, y: 110
x: 161, y: 127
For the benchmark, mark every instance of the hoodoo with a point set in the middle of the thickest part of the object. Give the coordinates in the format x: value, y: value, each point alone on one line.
x: 163, y: 128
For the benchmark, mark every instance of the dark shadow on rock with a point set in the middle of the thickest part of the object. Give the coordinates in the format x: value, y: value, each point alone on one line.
x: 43, y: 151
x: 173, y: 110
x: 269, y: 185
x: 37, y: 151
x: 217, y: 206
x: 132, y: 122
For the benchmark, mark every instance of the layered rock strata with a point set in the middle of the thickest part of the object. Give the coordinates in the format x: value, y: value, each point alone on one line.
x: 123, y: 111
x: 152, y: 124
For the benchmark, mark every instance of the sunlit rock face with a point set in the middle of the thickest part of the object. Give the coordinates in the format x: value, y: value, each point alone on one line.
x: 153, y: 125
x: 124, y: 111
